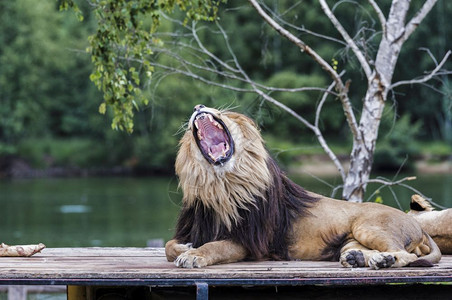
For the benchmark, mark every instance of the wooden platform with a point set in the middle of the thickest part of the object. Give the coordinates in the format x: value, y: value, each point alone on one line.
x: 148, y: 267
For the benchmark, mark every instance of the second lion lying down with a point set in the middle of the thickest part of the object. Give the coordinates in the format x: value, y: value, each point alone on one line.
x: 238, y: 205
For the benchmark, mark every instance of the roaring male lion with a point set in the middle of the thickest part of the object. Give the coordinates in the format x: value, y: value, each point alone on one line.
x: 437, y: 224
x: 238, y: 205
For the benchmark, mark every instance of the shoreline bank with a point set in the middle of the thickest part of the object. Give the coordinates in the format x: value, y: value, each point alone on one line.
x: 317, y: 165
x: 321, y: 165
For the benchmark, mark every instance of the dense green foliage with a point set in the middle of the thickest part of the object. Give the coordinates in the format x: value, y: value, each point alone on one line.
x: 49, y: 112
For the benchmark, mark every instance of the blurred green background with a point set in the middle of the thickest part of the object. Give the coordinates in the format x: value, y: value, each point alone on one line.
x: 49, y: 108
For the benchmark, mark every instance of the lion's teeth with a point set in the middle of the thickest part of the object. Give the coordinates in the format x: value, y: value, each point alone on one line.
x: 200, y: 116
x: 211, y: 156
x: 199, y: 136
x: 210, y: 118
x: 196, y: 124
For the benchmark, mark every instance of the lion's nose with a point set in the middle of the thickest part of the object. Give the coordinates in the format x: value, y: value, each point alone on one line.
x: 198, y: 107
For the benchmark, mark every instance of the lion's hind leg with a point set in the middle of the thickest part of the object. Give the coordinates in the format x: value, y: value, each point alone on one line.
x: 354, y: 255
x: 380, y: 248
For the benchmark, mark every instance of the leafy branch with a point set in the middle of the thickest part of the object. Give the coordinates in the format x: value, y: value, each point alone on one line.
x: 122, y: 38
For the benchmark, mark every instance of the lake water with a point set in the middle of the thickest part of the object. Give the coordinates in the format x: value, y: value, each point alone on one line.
x: 122, y: 211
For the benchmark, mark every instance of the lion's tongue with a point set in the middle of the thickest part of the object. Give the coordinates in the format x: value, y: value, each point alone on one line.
x: 213, y: 141
x: 218, y: 150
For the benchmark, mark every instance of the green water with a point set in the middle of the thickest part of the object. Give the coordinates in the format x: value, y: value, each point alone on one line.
x: 84, y: 212
x: 88, y: 211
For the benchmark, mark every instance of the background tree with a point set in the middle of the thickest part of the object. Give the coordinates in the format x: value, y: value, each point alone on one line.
x: 374, y: 50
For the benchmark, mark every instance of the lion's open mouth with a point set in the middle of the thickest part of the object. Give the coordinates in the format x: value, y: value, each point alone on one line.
x: 213, y: 138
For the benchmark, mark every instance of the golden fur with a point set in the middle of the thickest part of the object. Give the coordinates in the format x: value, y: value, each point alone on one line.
x: 438, y: 224
x: 246, y: 208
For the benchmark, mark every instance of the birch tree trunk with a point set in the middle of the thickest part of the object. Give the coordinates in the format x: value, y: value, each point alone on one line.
x: 395, y: 33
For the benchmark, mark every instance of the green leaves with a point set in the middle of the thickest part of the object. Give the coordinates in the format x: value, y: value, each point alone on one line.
x: 122, y: 43
x: 69, y: 4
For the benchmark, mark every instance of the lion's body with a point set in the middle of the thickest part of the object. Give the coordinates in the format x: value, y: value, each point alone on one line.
x: 438, y: 224
x: 334, y: 225
x: 246, y: 208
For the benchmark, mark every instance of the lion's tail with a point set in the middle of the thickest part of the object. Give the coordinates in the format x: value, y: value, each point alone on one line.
x: 433, y: 257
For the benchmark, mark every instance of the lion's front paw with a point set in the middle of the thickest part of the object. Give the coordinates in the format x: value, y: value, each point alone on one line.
x: 173, y: 249
x: 353, y: 259
x: 190, y: 259
x: 381, y: 260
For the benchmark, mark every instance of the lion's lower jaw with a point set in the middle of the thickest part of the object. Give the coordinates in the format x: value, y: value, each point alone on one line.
x: 222, y: 169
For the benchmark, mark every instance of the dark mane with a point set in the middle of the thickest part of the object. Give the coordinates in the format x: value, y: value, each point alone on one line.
x: 264, y: 228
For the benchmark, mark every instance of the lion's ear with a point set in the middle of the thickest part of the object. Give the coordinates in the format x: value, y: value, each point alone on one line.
x: 250, y: 130
x: 247, y: 125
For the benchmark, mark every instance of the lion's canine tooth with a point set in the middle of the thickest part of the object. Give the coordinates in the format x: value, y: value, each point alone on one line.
x: 211, y: 156
x: 210, y: 118
x: 196, y: 124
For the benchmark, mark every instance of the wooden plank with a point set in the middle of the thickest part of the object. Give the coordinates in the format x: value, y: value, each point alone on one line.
x: 59, y: 265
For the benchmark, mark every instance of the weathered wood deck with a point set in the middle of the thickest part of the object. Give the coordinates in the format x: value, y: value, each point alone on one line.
x: 148, y: 267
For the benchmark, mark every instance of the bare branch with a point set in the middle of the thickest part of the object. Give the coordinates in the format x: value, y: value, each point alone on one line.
x: 417, y: 19
x: 319, y: 135
x: 248, y: 80
x: 210, y: 54
x: 302, y: 28
x: 315, y: 129
x: 362, y: 60
x: 319, y: 107
x: 427, y: 77
x: 386, y: 182
x: 188, y: 64
x: 340, y: 87
x: 197, y: 52
x: 429, y: 54
x: 299, y: 43
x: 190, y: 74
x: 380, y: 15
